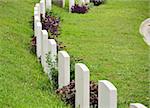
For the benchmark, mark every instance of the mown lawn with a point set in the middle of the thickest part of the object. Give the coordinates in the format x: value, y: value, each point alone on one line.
x: 108, y: 40
x: 22, y: 82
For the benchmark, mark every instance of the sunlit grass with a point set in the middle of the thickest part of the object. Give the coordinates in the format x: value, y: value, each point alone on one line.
x: 108, y: 40
x: 22, y: 81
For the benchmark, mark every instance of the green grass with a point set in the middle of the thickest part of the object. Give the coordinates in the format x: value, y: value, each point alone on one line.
x: 22, y: 82
x: 108, y: 40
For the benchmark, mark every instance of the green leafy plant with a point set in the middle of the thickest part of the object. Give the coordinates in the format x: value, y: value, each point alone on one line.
x: 53, y: 74
x: 53, y: 71
x: 73, y: 61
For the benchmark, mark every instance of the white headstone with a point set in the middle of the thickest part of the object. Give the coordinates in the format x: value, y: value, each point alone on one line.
x: 49, y: 4
x: 87, y: 1
x: 38, y: 39
x: 42, y: 7
x: 82, y: 86
x: 52, y: 48
x: 63, y: 68
x: 35, y: 12
x: 71, y: 3
x: 36, y: 19
x: 146, y: 34
x: 63, y: 3
x: 44, y: 47
x: 137, y: 105
x: 38, y: 9
x: 143, y: 25
x: 107, y: 95
x: 145, y: 30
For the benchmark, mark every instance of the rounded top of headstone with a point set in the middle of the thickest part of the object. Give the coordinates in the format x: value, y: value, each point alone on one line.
x: 52, y: 41
x: 44, y: 32
x: 42, y: 1
x: 137, y: 105
x: 145, y: 30
x: 37, y: 5
x: 35, y: 8
x: 83, y: 67
x: 108, y: 84
x: 64, y: 54
x: 144, y: 25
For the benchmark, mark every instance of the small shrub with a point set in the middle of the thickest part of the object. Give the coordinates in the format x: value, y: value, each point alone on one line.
x: 53, y: 72
x: 97, y: 2
x: 52, y: 25
x: 67, y: 94
x: 79, y: 9
x: 73, y: 61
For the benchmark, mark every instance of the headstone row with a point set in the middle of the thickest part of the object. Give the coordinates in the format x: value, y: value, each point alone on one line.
x: 107, y: 92
x: 47, y: 45
x: 44, y: 5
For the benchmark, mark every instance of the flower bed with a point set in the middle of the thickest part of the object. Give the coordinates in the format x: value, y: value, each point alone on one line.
x: 79, y: 9
x: 67, y: 94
